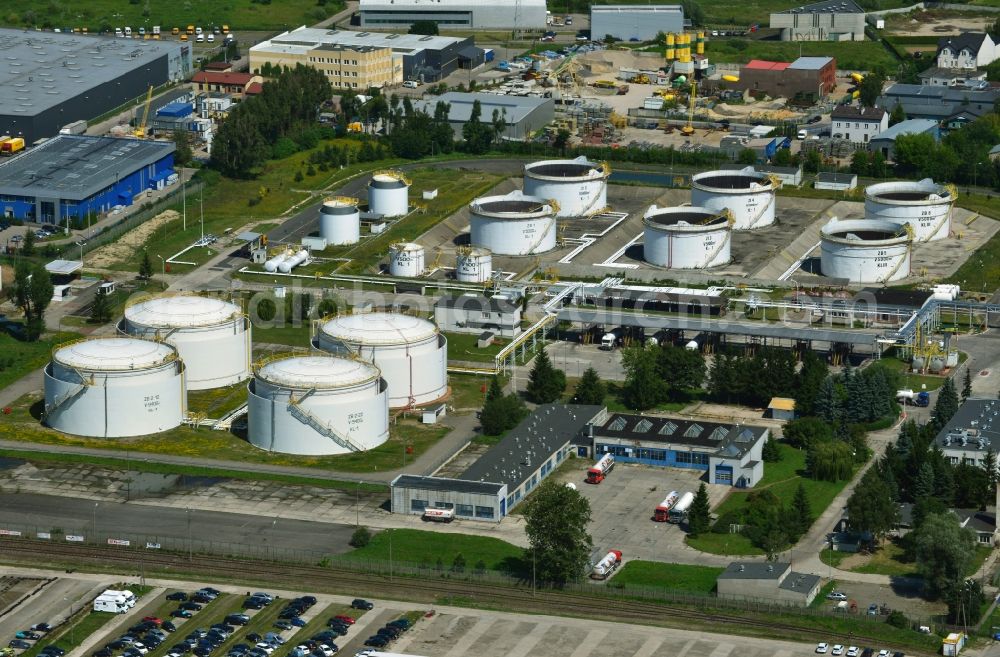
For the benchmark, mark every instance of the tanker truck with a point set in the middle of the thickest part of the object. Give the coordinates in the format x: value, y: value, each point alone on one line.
x: 600, y: 470
x: 607, y: 565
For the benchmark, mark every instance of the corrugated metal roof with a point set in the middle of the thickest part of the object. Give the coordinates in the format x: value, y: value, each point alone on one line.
x: 765, y: 65
x: 810, y: 63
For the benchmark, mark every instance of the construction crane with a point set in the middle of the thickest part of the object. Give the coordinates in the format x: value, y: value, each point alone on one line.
x: 140, y: 130
x: 688, y: 129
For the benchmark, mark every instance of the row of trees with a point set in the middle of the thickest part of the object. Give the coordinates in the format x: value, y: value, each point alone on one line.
x: 287, y: 105
x: 655, y: 374
x: 961, y: 156
x: 32, y: 293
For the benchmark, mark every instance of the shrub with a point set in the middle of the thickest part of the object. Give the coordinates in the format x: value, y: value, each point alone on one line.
x: 360, y: 538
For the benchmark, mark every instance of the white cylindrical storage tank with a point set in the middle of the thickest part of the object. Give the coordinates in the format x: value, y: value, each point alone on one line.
x: 291, y: 262
x: 340, y: 221
x: 212, y: 336
x: 274, y: 262
x: 114, y: 387
x: 865, y: 251
x: 317, y: 406
x: 579, y: 186
x: 686, y: 237
x: 925, y: 205
x: 389, y: 194
x: 515, y: 224
x: 406, y: 259
x: 410, y: 351
x: 747, y: 194
x: 473, y: 265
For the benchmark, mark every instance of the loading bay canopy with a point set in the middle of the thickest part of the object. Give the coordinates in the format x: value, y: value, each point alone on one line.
x: 722, y: 325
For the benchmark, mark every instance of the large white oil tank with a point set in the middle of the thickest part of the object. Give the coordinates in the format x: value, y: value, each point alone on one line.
x: 410, y: 351
x: 515, y: 224
x: 747, y: 194
x: 865, y: 251
x: 473, y: 264
x: 340, y: 221
x: 579, y: 186
x: 406, y: 259
x: 212, y: 336
x: 925, y: 205
x: 114, y: 387
x: 317, y: 405
x: 686, y: 237
x: 389, y: 194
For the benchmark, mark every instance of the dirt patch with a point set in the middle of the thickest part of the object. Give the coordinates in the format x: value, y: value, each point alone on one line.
x: 854, y: 561
x: 931, y: 24
x: 126, y: 246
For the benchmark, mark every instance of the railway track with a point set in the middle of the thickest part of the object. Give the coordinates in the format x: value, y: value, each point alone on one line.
x: 601, y: 604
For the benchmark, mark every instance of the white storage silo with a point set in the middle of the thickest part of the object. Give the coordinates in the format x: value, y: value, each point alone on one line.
x: 114, y: 387
x: 410, y: 351
x: 579, y: 186
x: 340, y: 221
x: 317, y: 405
x: 925, y: 205
x: 212, y: 336
x: 473, y: 264
x: 514, y: 224
x: 406, y: 259
x: 865, y: 251
x: 747, y: 194
x: 686, y: 237
x: 389, y: 194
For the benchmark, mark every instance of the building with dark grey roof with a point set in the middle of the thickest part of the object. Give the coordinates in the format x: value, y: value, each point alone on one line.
x: 76, y: 176
x: 836, y: 181
x: 730, y: 453
x: 475, y: 313
x: 971, y: 432
x: 53, y: 79
x: 523, y: 114
x: 936, y: 102
x: 502, y: 477
x: 767, y: 581
x: 828, y: 20
x: 968, y: 50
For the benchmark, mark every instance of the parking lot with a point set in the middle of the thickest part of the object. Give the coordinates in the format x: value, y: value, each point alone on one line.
x: 435, y: 632
x: 40, y: 600
x: 622, y: 509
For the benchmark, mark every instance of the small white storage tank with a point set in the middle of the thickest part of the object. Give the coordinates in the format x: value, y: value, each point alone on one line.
x: 579, y: 186
x: 389, y: 194
x: 747, y: 194
x: 406, y: 259
x: 410, y: 351
x: 316, y: 406
x: 340, y: 221
x: 515, y: 224
x: 275, y: 261
x: 291, y: 262
x: 114, y: 388
x: 686, y: 237
x: 212, y: 336
x: 473, y: 264
x: 925, y: 205
x: 865, y: 251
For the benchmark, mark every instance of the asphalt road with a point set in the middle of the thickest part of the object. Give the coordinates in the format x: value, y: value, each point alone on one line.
x: 165, y: 525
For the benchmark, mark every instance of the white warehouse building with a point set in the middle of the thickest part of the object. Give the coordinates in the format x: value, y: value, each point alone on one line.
x: 635, y: 22
x: 454, y: 14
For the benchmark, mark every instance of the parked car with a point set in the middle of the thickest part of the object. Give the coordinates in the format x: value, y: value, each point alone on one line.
x: 177, y: 595
x: 237, y: 619
x: 106, y: 651
x: 836, y: 595
x: 853, y: 651
x: 283, y: 625
x: 359, y: 603
x: 297, y: 622
x: 41, y: 627
x: 27, y: 634
x: 168, y: 626
x: 263, y: 596
x: 254, y: 637
x: 154, y: 620
x: 873, y: 609
x: 52, y: 651
x: 201, y: 598
x: 181, y: 613
x: 837, y: 649
x: 191, y: 605
x: 377, y: 641
x: 822, y: 648
x: 20, y: 644
x: 347, y: 619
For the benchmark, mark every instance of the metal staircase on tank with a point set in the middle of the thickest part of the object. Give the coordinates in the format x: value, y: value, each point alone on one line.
x: 310, y: 420
x: 725, y: 240
x: 65, y: 398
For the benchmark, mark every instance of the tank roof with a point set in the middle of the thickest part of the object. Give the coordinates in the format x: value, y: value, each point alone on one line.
x: 512, y: 206
x: 407, y: 246
x: 114, y: 354
x: 379, y: 328
x: 317, y: 372
x: 338, y: 206
x: 385, y: 181
x: 181, y: 311
x: 728, y: 180
x: 685, y: 216
x: 910, y: 190
x: 864, y: 230
x: 580, y: 167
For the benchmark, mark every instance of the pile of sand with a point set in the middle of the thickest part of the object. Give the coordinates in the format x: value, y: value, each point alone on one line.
x: 126, y: 245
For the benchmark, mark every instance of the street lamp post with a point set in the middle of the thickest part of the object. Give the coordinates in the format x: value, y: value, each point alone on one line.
x: 96, y: 504
x: 190, y: 545
x: 163, y: 265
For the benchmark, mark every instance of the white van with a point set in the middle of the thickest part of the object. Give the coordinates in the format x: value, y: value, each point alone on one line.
x: 410, y: 84
x: 114, y: 604
x: 210, y: 38
x: 198, y: 30
x: 127, y: 596
x: 128, y: 32
x: 118, y: 32
x: 802, y: 134
x: 200, y: 38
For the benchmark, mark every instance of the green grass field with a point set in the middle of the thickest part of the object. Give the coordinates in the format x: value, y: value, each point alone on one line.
x: 911, y: 380
x: 237, y: 14
x: 217, y: 402
x: 782, y: 479
x: 857, y: 55
x: 673, y: 577
x: 462, y: 346
x: 418, y: 547
x: 980, y: 273
x: 18, y: 358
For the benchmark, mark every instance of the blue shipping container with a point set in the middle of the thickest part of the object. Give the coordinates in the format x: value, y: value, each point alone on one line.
x: 177, y: 110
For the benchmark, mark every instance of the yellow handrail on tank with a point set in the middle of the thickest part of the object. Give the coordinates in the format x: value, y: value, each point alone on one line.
x: 605, y: 168
x: 172, y: 356
x: 554, y: 204
x: 952, y: 190
x: 392, y: 173
x: 344, y: 200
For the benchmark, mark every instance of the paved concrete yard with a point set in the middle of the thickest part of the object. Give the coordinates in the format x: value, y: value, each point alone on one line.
x: 488, y: 634
x: 44, y: 602
x: 622, y: 507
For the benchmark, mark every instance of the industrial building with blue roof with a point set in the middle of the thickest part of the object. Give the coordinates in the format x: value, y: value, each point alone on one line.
x: 73, y: 176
